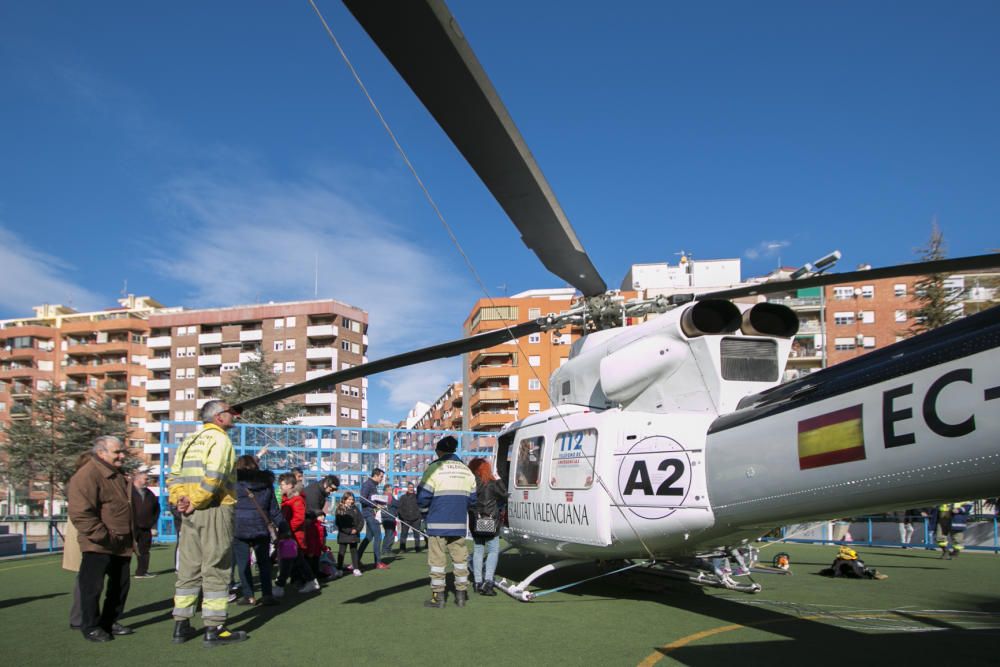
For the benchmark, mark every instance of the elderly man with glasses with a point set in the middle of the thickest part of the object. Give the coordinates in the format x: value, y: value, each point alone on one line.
x: 100, y: 507
x: 202, y: 485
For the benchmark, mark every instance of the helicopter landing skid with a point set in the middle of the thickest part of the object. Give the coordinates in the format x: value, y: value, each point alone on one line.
x: 520, y: 591
x: 717, y: 571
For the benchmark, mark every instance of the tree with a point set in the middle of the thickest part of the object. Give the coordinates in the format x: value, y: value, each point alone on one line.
x: 938, y: 302
x: 255, y: 378
x: 45, y: 445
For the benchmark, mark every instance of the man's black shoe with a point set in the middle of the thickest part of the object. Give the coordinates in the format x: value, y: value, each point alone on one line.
x: 437, y: 600
x: 489, y: 588
x: 219, y: 635
x: 119, y: 630
x: 183, y: 631
x: 461, y: 597
x: 97, y: 635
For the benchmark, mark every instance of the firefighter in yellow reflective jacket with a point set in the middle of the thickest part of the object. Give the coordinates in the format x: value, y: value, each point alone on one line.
x: 202, y: 485
x: 949, y: 520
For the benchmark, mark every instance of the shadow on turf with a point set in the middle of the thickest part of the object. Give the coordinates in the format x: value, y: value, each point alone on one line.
x: 13, y: 602
x: 823, y: 642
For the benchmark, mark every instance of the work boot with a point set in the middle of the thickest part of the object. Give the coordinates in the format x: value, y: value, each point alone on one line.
x: 461, y: 597
x: 183, y: 631
x: 488, y: 588
x: 945, y: 553
x: 219, y: 635
x: 437, y: 600
x: 955, y: 553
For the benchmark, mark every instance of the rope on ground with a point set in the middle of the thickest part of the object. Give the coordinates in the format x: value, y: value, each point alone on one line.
x: 583, y: 581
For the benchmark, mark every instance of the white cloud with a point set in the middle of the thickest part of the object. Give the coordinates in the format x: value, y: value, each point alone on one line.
x: 258, y: 241
x: 30, y: 277
x: 765, y: 249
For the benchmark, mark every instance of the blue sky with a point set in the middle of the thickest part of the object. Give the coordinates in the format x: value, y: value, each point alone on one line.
x: 209, y: 152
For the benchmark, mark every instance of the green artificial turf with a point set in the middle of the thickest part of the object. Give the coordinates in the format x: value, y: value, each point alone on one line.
x: 928, y: 611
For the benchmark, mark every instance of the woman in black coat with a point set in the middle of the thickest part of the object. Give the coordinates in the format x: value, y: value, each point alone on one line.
x: 349, y: 525
x: 491, y: 498
x: 254, y: 501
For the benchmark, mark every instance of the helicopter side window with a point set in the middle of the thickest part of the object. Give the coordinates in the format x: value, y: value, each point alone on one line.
x: 529, y: 462
x: 573, y: 459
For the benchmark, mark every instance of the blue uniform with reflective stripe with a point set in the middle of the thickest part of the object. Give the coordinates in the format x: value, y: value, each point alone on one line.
x: 446, y: 493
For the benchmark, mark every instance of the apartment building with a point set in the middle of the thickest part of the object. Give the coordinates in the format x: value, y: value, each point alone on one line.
x: 81, y: 353
x: 445, y: 414
x: 193, y: 353
x: 510, y: 381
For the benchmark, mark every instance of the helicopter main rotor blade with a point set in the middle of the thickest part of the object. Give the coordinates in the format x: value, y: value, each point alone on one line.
x: 423, y: 42
x: 973, y: 263
x: 440, y: 351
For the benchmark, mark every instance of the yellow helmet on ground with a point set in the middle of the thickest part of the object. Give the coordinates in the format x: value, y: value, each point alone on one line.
x: 847, y: 553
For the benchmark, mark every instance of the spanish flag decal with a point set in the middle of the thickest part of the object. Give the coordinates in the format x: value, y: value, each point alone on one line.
x: 836, y: 437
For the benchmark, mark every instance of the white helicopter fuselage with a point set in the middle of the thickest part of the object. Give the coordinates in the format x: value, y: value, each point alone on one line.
x: 645, y: 466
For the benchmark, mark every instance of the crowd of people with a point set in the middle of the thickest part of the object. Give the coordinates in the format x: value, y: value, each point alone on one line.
x: 229, y: 517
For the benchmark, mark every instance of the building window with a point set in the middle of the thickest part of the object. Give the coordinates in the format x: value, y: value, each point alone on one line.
x: 899, y: 289
x: 289, y: 322
x: 868, y: 292
x: 189, y: 394
x: 535, y: 338
x: 534, y: 408
x: 355, y: 414
x: 534, y: 360
x: 289, y: 366
x: 345, y: 412
x: 345, y: 345
x: 180, y: 374
x: 289, y: 343
x: 356, y: 348
x: 534, y: 384
x: 344, y: 365
x: 279, y: 323
x: 842, y: 293
x: 276, y: 368
x: 179, y: 395
x: 843, y: 318
x: 534, y: 313
x: 345, y: 390
x: 279, y: 346
x: 869, y: 341
x: 843, y: 343
x: 189, y: 373
x: 900, y: 315
x: 867, y: 317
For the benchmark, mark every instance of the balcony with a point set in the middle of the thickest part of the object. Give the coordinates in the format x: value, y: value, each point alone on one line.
x: 809, y: 327
x: 158, y: 341
x: 491, y: 419
x: 210, y: 381
x: 484, y: 396
x: 210, y: 359
x: 210, y: 338
x: 322, y: 331
x: 484, y: 373
x: 75, y: 388
x: 157, y: 406
x: 20, y: 390
x: 155, y: 427
x: 18, y: 411
x: 326, y: 398
x: 251, y: 335
x: 115, y: 386
x: 157, y: 385
x: 800, y: 303
x: 317, y: 420
x: 249, y: 356
x: 158, y: 363
x: 318, y: 373
x: 321, y: 353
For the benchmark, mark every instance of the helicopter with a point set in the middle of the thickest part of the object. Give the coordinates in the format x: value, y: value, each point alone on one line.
x: 673, y: 441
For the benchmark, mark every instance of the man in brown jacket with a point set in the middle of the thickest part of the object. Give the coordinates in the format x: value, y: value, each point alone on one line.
x: 100, y: 507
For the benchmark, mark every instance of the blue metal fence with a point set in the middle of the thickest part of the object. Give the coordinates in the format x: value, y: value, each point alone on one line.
x: 348, y: 452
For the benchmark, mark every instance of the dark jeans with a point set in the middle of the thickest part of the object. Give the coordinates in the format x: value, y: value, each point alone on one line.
x: 241, y: 558
x: 373, y: 535
x: 389, y: 534
x: 143, y: 543
x: 75, y: 615
x: 93, y: 569
x: 404, y: 532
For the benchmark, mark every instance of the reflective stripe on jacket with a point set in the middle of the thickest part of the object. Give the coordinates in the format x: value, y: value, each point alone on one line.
x: 204, y: 469
x: 447, y: 492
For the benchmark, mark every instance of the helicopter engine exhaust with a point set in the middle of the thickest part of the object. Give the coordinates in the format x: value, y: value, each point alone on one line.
x: 770, y: 319
x: 712, y: 316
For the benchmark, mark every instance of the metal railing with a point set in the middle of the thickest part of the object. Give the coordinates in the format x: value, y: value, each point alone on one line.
x: 981, y: 534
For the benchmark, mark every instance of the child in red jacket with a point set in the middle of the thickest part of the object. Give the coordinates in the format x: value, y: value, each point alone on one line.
x: 293, y: 507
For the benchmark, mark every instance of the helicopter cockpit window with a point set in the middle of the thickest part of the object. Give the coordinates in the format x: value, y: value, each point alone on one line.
x: 573, y: 459
x: 529, y: 462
